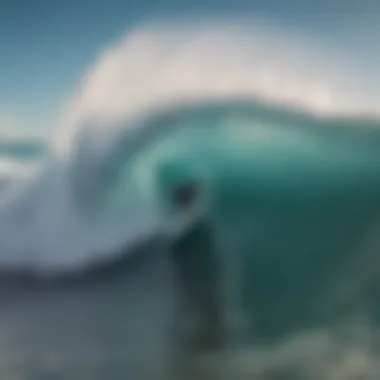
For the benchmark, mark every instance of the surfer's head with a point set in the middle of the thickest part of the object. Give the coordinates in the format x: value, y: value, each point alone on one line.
x: 185, y: 194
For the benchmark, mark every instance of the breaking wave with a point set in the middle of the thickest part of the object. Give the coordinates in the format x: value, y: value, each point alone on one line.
x: 231, y: 103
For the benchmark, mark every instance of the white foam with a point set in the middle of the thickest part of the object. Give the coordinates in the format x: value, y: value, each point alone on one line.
x: 164, y: 64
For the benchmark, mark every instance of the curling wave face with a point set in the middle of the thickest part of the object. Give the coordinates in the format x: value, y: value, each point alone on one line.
x: 258, y: 114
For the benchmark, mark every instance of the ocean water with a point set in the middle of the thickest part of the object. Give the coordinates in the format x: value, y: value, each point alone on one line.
x: 288, y: 160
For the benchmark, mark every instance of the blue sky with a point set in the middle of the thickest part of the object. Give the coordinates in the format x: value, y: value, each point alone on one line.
x: 46, y: 45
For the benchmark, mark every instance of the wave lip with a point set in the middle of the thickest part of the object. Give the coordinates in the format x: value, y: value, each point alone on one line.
x: 169, y: 62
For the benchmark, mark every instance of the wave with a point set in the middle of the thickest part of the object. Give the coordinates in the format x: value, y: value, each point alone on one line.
x: 21, y: 149
x: 171, y: 102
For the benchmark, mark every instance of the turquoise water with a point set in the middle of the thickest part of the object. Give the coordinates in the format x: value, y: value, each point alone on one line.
x: 91, y: 284
x: 297, y: 208
x: 294, y: 205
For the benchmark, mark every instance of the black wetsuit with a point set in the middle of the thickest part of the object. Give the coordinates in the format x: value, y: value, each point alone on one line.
x: 197, y: 266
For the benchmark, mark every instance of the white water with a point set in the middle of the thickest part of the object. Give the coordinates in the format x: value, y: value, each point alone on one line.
x: 45, y: 224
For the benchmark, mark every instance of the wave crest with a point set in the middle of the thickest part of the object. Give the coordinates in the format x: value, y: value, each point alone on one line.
x: 166, y: 63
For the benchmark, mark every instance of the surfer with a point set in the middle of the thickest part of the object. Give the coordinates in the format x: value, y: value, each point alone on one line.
x: 197, y: 265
